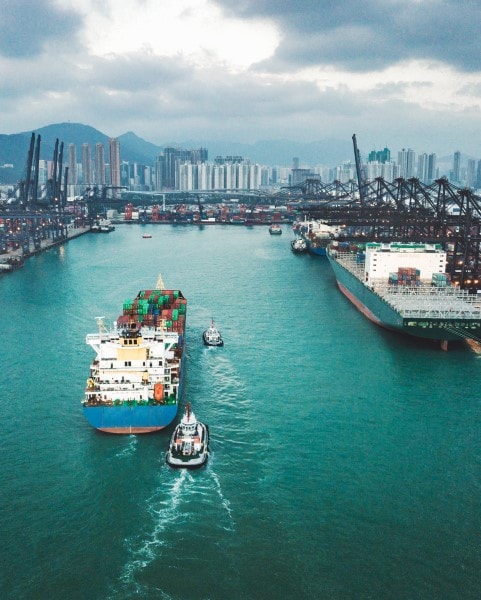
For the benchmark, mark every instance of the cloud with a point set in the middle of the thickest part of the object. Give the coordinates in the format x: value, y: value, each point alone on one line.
x: 244, y: 71
x: 362, y: 36
x: 26, y: 26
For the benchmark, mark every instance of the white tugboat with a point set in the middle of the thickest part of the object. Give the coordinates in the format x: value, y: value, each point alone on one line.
x: 299, y: 246
x: 189, y: 444
x: 212, y: 336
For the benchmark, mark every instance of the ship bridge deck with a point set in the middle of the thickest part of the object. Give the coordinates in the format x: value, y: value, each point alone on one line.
x: 423, y: 301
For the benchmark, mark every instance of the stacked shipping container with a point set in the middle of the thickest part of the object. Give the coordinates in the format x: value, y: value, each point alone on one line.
x: 405, y: 276
x: 166, y: 308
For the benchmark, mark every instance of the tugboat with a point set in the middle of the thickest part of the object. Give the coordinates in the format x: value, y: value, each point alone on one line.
x: 189, y: 444
x: 299, y: 246
x: 275, y: 229
x: 212, y: 336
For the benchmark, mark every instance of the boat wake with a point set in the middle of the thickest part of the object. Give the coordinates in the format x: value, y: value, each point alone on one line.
x: 175, y: 507
x: 224, y: 501
x: 129, y: 449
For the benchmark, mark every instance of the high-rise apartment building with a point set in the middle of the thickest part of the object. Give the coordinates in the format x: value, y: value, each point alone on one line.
x: 114, y: 158
x: 471, y: 173
x: 406, y: 162
x: 432, y: 173
x: 72, y: 164
x: 99, y: 164
x: 456, y: 175
x: 87, y: 178
x: 380, y: 156
x: 422, y: 171
x: 168, y: 163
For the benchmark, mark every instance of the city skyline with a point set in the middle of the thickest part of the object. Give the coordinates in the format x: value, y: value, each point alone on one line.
x: 189, y: 169
x: 216, y: 70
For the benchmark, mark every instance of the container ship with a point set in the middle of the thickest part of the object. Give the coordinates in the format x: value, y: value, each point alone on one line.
x: 317, y: 235
x: 135, y: 379
x: 405, y: 288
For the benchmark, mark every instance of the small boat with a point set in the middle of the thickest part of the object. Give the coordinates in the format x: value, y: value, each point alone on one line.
x: 189, y: 444
x: 146, y: 236
x: 299, y: 246
x: 275, y: 229
x: 212, y: 336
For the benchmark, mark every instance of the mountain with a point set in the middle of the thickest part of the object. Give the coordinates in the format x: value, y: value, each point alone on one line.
x: 14, y: 149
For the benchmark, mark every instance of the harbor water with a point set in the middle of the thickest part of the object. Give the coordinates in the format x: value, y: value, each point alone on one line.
x: 345, y: 460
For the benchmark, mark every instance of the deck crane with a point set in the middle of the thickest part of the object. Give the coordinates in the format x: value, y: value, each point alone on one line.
x: 27, y: 180
x: 36, y: 162
x: 360, y: 179
x: 201, y: 211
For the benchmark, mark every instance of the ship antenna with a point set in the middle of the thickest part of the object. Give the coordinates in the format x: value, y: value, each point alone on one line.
x: 160, y: 283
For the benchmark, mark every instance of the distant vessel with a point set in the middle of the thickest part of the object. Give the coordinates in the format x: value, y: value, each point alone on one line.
x: 146, y: 236
x: 102, y: 226
x: 317, y: 234
x: 275, y: 229
x: 212, y: 336
x: 135, y: 379
x: 404, y: 287
x: 12, y: 263
x: 299, y: 246
x: 189, y: 444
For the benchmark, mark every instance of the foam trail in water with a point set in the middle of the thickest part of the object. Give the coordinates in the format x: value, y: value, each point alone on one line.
x: 225, y: 502
x: 168, y: 512
x: 130, y: 449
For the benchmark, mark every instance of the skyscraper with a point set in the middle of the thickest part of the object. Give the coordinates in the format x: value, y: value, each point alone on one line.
x: 72, y: 164
x: 457, y: 167
x: 99, y: 164
x: 432, y: 168
x: 406, y: 162
x: 86, y: 165
x: 114, y: 158
x: 422, y: 173
x: 471, y: 173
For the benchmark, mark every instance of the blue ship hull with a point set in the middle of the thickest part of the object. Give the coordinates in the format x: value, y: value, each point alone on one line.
x: 130, y: 419
x: 316, y: 250
x: 377, y: 310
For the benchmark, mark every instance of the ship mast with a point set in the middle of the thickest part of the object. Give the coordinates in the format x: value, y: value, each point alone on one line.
x: 100, y: 323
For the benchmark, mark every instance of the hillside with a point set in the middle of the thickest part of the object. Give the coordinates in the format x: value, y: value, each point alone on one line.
x: 14, y: 148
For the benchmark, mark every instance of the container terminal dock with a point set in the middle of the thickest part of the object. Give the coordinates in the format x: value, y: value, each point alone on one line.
x: 406, y: 211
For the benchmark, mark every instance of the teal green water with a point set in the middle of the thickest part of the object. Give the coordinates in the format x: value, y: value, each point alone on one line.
x: 346, y: 460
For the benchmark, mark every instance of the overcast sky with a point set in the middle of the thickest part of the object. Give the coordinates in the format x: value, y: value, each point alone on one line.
x: 398, y: 73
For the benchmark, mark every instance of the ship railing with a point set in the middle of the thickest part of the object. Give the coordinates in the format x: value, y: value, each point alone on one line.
x: 350, y: 262
x: 95, y: 338
x: 426, y: 301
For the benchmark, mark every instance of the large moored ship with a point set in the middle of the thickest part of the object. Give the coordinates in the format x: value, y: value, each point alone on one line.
x: 136, y: 377
x: 405, y: 287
